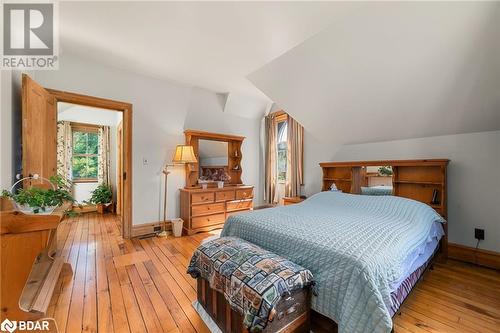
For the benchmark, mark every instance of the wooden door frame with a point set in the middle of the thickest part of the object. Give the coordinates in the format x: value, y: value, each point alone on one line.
x: 119, y: 170
x: 126, y: 109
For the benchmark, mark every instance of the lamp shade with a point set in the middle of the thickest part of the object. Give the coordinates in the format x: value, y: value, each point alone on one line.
x: 184, y: 154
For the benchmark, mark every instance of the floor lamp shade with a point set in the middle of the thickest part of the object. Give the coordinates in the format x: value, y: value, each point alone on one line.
x: 184, y: 154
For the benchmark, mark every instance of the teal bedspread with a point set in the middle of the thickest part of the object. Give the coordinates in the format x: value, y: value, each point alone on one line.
x: 354, y: 245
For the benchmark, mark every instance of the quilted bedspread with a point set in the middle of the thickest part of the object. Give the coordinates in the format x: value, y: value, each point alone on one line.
x: 354, y: 246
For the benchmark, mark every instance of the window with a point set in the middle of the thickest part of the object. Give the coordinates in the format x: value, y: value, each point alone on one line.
x: 85, y: 154
x: 282, y: 150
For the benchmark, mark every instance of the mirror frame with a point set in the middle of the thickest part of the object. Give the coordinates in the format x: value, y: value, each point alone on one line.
x: 234, y: 155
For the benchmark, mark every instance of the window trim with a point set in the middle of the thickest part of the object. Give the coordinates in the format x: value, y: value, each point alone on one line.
x: 84, y: 128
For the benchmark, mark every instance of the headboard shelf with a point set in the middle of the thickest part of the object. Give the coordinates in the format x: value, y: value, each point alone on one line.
x: 421, y: 180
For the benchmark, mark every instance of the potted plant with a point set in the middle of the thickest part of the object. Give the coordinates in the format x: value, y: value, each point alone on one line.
x: 101, y: 197
x: 385, y: 171
x: 36, y: 200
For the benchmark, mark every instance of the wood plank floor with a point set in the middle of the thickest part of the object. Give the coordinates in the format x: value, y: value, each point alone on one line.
x: 142, y: 286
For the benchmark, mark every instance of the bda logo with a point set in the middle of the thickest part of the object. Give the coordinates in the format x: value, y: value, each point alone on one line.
x: 9, y: 326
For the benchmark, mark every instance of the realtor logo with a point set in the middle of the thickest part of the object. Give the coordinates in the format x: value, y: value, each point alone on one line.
x: 29, y: 36
x: 8, y: 326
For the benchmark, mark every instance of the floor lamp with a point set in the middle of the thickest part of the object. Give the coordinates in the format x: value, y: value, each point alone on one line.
x: 183, y: 155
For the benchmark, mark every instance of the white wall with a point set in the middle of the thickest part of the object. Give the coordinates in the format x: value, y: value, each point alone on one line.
x: 473, y: 178
x: 161, y: 112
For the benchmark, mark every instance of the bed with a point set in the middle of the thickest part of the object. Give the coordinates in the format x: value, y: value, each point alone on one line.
x: 365, y: 252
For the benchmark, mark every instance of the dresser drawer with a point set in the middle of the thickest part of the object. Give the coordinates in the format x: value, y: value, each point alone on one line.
x: 207, y: 209
x: 239, y: 205
x: 224, y: 195
x: 205, y: 221
x: 202, y: 197
x: 244, y: 193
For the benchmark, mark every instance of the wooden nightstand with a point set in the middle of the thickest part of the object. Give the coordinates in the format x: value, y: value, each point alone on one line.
x: 292, y: 200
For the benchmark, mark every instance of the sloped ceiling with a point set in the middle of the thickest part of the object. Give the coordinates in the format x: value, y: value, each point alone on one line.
x: 212, y: 45
x: 387, y: 71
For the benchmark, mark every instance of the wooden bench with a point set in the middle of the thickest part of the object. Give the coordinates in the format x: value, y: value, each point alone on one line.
x: 30, y: 266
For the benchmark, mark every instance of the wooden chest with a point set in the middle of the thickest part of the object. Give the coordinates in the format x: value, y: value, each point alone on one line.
x: 292, y: 314
x: 208, y: 209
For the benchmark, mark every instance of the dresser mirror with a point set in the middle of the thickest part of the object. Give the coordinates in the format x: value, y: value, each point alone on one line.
x: 377, y: 180
x: 218, y: 157
x: 213, y: 159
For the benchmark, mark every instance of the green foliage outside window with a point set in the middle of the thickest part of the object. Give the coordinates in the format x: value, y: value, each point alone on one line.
x: 282, y: 151
x: 85, y: 155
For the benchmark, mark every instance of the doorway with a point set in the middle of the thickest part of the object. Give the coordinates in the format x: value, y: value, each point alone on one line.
x: 88, y: 156
x: 39, y: 113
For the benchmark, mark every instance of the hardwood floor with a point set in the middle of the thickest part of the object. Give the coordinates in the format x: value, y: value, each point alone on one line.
x: 141, y: 286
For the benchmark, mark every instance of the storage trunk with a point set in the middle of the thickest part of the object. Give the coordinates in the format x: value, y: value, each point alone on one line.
x: 292, y: 313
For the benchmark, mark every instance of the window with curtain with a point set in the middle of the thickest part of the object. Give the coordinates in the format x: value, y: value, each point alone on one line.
x: 282, y: 147
x: 85, y: 158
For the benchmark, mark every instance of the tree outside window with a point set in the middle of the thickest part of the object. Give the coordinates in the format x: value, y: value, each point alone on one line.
x: 85, y: 155
x: 282, y: 150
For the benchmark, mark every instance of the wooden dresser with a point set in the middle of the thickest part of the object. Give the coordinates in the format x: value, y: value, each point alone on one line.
x: 208, y: 209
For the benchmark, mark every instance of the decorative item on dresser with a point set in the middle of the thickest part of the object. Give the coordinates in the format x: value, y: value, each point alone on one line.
x: 208, y: 209
x: 420, y: 180
x: 293, y: 200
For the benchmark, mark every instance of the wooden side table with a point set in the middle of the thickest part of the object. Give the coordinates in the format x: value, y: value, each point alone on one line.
x: 292, y: 200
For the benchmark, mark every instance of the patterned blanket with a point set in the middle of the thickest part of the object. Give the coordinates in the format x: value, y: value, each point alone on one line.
x: 252, y: 280
x: 355, y: 245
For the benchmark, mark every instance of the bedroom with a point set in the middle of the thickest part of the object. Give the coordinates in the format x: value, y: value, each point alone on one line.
x: 366, y: 82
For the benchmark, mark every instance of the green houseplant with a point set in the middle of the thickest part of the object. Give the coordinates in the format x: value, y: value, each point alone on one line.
x: 35, y: 200
x: 385, y: 171
x: 101, y: 197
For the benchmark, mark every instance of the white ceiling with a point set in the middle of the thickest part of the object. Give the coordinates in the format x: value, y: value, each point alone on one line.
x: 87, y: 114
x: 210, y: 45
x: 392, y: 71
x: 348, y: 71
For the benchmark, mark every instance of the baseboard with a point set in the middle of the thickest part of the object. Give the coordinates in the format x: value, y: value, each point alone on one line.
x: 149, y: 228
x: 480, y: 257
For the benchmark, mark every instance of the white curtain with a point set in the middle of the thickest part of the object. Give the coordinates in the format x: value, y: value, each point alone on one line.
x: 64, y: 149
x: 103, y: 160
x: 270, y: 160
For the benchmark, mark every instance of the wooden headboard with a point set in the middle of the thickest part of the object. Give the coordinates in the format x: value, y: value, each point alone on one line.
x: 419, y: 180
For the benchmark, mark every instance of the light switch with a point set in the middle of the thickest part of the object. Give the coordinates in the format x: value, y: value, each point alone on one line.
x: 145, y: 161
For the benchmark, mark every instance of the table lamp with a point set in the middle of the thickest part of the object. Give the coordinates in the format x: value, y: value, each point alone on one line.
x: 184, y: 154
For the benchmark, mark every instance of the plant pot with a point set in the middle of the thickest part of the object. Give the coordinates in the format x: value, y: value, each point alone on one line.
x: 220, y: 184
x: 25, y: 209
x: 100, y: 208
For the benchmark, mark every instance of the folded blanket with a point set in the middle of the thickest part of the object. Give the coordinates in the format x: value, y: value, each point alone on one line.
x: 251, y: 279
